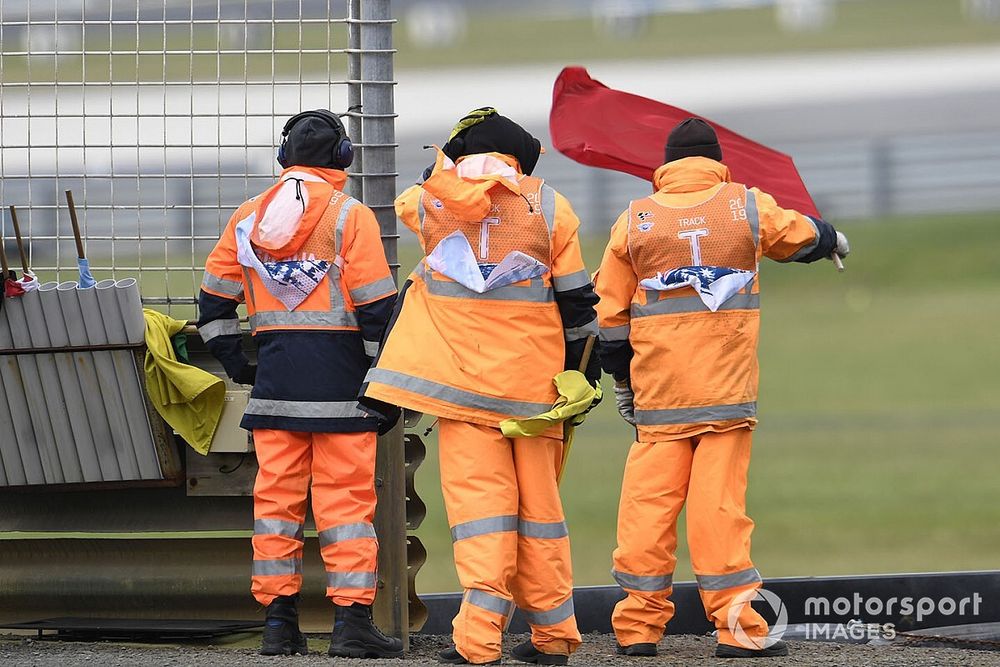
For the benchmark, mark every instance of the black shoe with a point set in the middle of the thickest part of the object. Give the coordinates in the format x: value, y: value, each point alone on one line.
x: 355, y: 635
x: 527, y: 652
x: 281, y: 628
x: 451, y: 656
x: 778, y: 648
x: 644, y: 650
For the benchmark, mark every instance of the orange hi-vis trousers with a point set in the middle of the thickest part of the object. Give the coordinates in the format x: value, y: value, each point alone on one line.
x: 709, y: 471
x: 510, y: 538
x: 341, y: 467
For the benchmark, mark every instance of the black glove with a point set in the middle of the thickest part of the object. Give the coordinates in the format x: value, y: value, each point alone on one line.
x: 389, y: 416
x: 246, y: 375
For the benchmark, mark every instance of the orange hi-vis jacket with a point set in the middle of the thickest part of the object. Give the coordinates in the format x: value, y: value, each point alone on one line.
x: 693, y: 370
x: 483, y: 357
x: 311, y: 358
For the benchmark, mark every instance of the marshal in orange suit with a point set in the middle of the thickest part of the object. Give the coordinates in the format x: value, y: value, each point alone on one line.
x: 679, y: 319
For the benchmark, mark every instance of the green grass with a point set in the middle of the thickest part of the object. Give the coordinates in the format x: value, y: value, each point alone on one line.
x: 877, y: 446
x: 874, y: 24
x: 857, y: 25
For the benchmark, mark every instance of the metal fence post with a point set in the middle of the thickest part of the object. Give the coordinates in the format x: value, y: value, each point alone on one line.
x: 378, y: 178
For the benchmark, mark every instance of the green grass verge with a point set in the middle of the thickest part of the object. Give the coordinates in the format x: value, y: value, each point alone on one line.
x: 524, y: 38
x: 876, y: 450
x: 857, y: 25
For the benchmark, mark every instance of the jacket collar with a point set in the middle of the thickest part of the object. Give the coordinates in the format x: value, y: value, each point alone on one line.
x: 690, y: 174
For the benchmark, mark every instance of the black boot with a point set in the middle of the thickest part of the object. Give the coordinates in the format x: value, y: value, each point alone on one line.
x: 645, y: 650
x: 355, y: 635
x: 281, y: 628
x: 451, y: 656
x: 527, y: 652
x: 778, y: 648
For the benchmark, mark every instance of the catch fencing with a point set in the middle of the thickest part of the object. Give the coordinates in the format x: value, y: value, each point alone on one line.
x: 163, y: 117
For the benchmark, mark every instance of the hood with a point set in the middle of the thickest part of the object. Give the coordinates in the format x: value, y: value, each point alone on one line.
x: 690, y: 174
x: 288, y: 211
x: 464, y: 188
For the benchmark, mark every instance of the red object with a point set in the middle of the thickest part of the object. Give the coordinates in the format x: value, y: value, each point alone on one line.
x: 602, y: 127
x: 12, y: 288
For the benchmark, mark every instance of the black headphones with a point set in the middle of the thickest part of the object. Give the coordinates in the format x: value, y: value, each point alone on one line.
x: 343, y: 149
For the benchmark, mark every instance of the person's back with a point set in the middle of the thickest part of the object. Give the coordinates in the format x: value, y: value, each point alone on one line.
x: 679, y: 317
x: 308, y: 262
x: 484, y: 304
x: 499, y: 306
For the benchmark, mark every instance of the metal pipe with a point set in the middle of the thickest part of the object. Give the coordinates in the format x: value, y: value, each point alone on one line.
x: 130, y: 308
x: 111, y: 390
x: 42, y: 449
x: 354, y: 184
x: 69, y: 380
x: 128, y: 378
x: 379, y: 191
x: 89, y: 383
x: 55, y: 400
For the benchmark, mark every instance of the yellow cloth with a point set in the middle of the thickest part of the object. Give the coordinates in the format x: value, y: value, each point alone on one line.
x: 576, y: 395
x: 188, y: 398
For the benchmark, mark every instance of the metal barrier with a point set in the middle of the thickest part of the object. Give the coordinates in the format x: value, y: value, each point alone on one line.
x: 163, y: 117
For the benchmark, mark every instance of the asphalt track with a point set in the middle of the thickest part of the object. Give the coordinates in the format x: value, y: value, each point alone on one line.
x: 596, y: 650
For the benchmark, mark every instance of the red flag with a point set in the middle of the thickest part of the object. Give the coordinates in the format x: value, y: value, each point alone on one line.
x: 602, y: 127
x: 11, y: 286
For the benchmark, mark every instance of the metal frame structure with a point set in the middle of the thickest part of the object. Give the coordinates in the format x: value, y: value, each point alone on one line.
x: 163, y: 118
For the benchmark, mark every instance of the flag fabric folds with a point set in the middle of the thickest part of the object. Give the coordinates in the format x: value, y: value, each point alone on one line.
x: 602, y: 127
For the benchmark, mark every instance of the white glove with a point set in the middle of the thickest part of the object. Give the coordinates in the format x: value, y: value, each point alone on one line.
x: 625, y: 399
x: 843, y: 248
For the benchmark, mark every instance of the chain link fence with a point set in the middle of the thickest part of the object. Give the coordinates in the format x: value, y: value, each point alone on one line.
x: 162, y: 117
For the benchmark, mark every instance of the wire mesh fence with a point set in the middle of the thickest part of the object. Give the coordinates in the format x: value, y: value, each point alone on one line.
x: 163, y: 117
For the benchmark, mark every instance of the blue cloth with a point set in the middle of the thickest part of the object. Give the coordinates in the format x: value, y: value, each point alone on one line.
x: 86, y: 279
x: 714, y: 284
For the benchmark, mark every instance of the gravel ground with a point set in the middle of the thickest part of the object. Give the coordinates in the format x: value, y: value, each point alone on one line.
x: 596, y: 650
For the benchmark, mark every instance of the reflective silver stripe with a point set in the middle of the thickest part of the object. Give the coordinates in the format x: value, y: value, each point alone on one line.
x: 708, y: 413
x: 719, y: 582
x: 273, y: 568
x: 616, y: 333
x: 573, y: 281
x: 371, y: 347
x: 341, y: 219
x: 304, y: 318
x: 494, y: 524
x: 537, y: 292
x: 489, y: 602
x: 421, y: 211
x: 348, y: 531
x: 214, y: 283
x: 216, y: 328
x: 806, y: 249
x: 545, y: 531
x: 350, y: 580
x: 374, y: 290
x: 304, y: 409
x: 455, y: 396
x: 588, y: 329
x: 694, y: 304
x: 249, y: 283
x: 551, y: 617
x: 278, y: 527
x: 548, y: 206
x: 636, y: 582
x: 753, y: 217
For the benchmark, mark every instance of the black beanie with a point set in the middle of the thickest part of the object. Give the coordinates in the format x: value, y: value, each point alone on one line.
x: 310, y: 143
x: 496, y: 134
x: 690, y: 138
